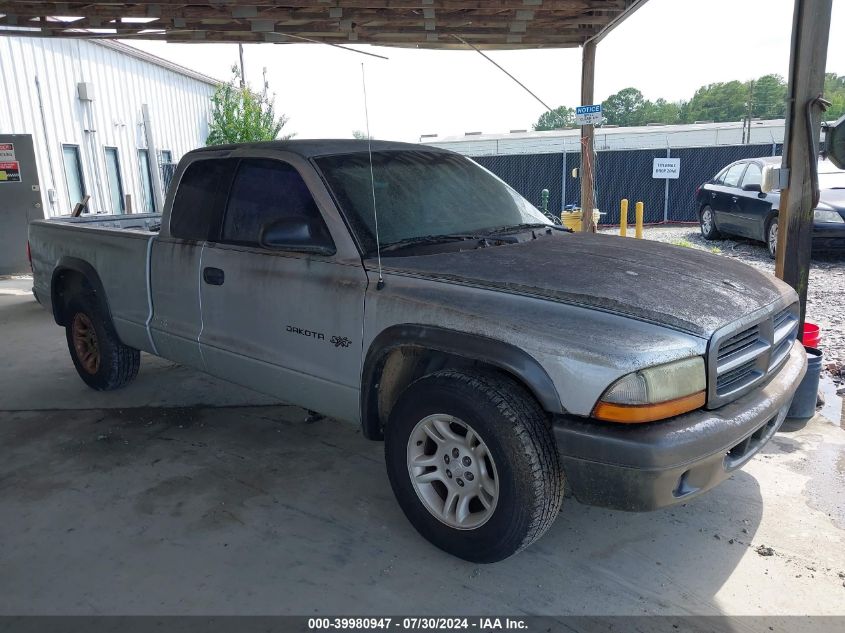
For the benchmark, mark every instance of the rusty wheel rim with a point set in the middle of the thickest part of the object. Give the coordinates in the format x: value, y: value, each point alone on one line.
x: 85, y: 343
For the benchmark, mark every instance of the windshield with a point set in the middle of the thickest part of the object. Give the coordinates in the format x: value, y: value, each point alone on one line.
x: 421, y: 193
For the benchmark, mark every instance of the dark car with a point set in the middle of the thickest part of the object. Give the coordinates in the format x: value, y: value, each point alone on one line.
x: 733, y: 204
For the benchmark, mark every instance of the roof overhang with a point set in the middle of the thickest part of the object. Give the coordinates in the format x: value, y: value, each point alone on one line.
x: 437, y: 24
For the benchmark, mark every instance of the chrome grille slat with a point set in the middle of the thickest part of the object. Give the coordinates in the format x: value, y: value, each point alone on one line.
x: 726, y: 380
x: 785, y: 326
x: 753, y: 350
x: 742, y: 359
x: 739, y: 342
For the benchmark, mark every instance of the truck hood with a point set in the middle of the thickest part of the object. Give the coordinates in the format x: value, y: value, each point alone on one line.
x: 683, y: 288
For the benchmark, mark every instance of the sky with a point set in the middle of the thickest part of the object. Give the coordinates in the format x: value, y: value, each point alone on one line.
x: 668, y: 49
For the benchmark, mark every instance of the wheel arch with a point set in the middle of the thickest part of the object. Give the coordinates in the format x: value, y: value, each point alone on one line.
x: 402, y: 353
x: 771, y: 218
x: 771, y: 215
x: 72, y: 274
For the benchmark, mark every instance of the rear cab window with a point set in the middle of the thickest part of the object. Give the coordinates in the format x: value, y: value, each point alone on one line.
x: 197, y: 205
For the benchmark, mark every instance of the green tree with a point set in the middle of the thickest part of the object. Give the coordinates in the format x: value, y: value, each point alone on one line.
x: 624, y: 108
x: 769, y: 97
x: 555, y: 119
x: 661, y: 111
x: 241, y: 115
x: 834, y: 91
x: 722, y: 101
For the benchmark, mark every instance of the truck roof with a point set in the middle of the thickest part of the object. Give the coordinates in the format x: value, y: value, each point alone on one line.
x: 309, y: 148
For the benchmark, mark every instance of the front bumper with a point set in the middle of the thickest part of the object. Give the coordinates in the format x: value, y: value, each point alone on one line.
x: 829, y: 237
x: 649, y: 466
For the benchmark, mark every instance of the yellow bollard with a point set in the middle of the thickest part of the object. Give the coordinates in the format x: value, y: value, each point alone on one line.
x: 623, y: 217
x: 639, y: 217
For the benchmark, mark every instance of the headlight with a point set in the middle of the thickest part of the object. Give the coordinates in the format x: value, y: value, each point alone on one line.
x: 827, y: 215
x: 655, y: 393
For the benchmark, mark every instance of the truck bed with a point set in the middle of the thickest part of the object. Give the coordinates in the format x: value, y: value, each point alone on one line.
x: 134, y: 221
x: 116, y: 247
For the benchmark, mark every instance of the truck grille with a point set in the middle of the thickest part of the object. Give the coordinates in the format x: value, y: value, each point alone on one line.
x: 741, y: 360
x: 739, y: 343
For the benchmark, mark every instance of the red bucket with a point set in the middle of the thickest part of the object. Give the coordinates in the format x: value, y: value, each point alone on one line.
x: 812, y: 336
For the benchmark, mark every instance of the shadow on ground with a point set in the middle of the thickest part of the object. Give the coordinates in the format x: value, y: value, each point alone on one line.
x: 251, y: 510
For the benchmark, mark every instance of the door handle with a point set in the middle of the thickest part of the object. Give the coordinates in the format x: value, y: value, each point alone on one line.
x: 734, y: 198
x: 213, y: 276
x: 712, y: 194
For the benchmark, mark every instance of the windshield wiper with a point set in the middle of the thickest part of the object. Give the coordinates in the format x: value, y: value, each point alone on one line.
x: 428, y: 239
x: 522, y: 227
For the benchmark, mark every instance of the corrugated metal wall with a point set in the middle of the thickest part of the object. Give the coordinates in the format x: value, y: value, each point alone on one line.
x: 656, y: 137
x: 178, y: 104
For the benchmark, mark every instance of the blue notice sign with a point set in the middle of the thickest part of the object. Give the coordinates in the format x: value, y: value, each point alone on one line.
x: 588, y: 115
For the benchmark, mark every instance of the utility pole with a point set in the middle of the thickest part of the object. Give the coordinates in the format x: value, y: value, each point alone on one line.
x: 241, y: 55
x: 746, y: 135
x: 588, y: 76
x: 810, y: 33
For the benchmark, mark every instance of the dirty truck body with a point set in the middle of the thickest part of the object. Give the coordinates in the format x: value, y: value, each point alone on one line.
x: 497, y: 355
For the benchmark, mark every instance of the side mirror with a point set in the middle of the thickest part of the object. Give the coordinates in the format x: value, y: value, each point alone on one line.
x: 298, y: 234
x: 774, y: 178
x: 752, y: 187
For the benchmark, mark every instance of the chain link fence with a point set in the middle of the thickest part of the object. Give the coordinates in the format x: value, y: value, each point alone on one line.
x: 621, y: 173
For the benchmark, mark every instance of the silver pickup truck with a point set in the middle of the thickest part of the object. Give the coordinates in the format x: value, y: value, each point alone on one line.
x: 501, y: 358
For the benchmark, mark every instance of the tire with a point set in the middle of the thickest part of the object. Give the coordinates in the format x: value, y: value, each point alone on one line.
x: 772, y: 237
x: 707, y: 222
x: 101, y: 360
x: 506, y: 458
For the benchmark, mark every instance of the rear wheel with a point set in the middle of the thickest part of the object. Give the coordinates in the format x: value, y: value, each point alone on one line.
x: 708, y: 224
x: 772, y: 238
x: 101, y: 360
x: 473, y: 464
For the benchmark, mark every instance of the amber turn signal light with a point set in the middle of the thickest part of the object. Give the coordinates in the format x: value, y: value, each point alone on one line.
x: 639, y: 413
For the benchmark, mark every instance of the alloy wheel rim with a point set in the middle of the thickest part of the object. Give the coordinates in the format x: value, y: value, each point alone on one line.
x: 706, y: 221
x: 85, y: 343
x: 452, y: 471
x: 773, y: 237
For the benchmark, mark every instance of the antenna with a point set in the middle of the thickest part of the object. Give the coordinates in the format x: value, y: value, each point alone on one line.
x: 489, y: 59
x: 380, y: 283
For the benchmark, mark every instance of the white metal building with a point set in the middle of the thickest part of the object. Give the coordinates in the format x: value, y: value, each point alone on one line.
x: 641, y: 137
x: 82, y: 102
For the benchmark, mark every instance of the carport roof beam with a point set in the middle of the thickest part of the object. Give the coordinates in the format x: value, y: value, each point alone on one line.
x: 488, y: 24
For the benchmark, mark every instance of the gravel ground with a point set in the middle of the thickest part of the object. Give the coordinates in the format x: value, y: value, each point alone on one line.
x: 826, y: 293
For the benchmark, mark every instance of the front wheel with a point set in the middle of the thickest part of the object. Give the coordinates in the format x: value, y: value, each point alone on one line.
x: 473, y: 464
x: 772, y: 238
x: 708, y: 224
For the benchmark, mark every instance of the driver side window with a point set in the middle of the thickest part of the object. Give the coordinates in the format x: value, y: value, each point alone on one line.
x: 753, y: 175
x: 264, y: 191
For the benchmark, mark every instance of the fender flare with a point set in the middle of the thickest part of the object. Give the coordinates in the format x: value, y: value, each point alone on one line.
x: 85, y: 269
x: 504, y: 356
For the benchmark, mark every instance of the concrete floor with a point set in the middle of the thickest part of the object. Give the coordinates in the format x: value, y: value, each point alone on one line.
x: 185, y: 495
